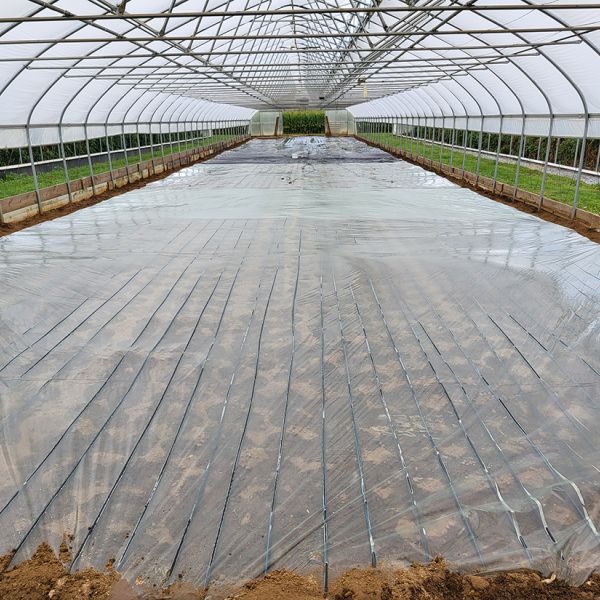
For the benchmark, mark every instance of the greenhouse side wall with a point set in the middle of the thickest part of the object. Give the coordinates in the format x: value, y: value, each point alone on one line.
x: 29, y: 189
x: 557, y: 174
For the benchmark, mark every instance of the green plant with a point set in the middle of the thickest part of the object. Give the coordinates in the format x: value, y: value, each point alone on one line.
x: 304, y: 122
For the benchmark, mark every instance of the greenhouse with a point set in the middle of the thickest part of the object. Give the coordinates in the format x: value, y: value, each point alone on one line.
x: 299, y: 299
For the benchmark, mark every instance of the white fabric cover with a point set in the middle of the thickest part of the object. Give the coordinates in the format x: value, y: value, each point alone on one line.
x: 503, y: 74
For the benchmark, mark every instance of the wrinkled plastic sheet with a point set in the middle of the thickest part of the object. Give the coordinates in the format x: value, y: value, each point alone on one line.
x: 248, y: 366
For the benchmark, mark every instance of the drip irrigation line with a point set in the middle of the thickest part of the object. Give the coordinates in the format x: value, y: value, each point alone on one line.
x: 102, y: 429
x: 357, y: 445
x: 60, y: 439
x: 491, y: 481
x: 582, y: 511
x: 72, y: 330
x: 242, y: 437
x: 183, y: 230
x: 90, y: 529
x: 88, y: 316
x: 567, y: 375
x: 62, y: 320
x: 217, y: 433
x: 461, y: 511
x: 152, y: 280
x: 392, y: 428
x: 531, y: 497
x: 585, y: 432
x: 285, y: 413
x: 147, y: 323
x: 574, y: 420
x: 97, y: 393
x: 180, y: 427
x: 136, y: 295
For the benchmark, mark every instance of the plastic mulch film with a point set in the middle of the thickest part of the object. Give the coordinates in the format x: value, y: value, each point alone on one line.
x: 306, y: 364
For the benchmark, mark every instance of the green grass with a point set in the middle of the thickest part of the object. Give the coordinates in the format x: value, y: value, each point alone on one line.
x: 20, y: 183
x: 557, y: 187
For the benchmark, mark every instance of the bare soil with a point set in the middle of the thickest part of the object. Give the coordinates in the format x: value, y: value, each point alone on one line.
x: 46, y: 576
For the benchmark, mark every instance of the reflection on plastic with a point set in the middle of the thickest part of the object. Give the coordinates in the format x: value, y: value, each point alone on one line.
x: 307, y: 365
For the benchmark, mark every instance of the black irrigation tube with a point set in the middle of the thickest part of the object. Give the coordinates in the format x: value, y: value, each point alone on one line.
x: 574, y: 420
x: 78, y: 553
x: 491, y: 481
x: 357, y: 445
x: 151, y: 280
x: 532, y: 498
x: 323, y: 455
x: 147, y: 323
x: 242, y: 437
x: 99, y: 432
x: 581, y: 510
x: 217, y: 434
x: 39, y: 360
x: 441, y: 462
x: 285, y: 412
x: 72, y: 330
x: 88, y: 403
x: 547, y: 387
x: 163, y: 468
x: 87, y: 317
x: 62, y: 320
x: 392, y: 428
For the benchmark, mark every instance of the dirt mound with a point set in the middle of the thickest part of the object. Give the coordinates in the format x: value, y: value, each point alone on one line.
x: 436, y: 582
x: 45, y: 576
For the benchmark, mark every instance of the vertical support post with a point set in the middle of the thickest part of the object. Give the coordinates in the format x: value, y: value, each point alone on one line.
x: 162, y: 146
x: 139, y: 142
x: 452, y: 141
x: 178, y: 141
x: 522, y: 139
x: 125, y: 151
x: 479, y: 144
x: 432, y: 141
x: 581, y: 164
x: 498, y: 147
x: 61, y: 147
x: 442, y: 140
x: 89, y: 157
x: 110, y: 167
x: 171, y: 144
x: 465, y: 136
x: 151, y: 145
x: 546, y: 159
x: 36, y: 183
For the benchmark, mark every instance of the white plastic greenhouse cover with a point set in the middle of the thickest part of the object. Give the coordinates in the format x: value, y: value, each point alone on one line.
x: 137, y: 62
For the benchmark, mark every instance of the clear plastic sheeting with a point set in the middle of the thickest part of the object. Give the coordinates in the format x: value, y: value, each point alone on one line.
x: 251, y: 366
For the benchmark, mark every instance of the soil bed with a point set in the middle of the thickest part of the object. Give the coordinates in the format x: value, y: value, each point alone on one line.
x: 46, y: 575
